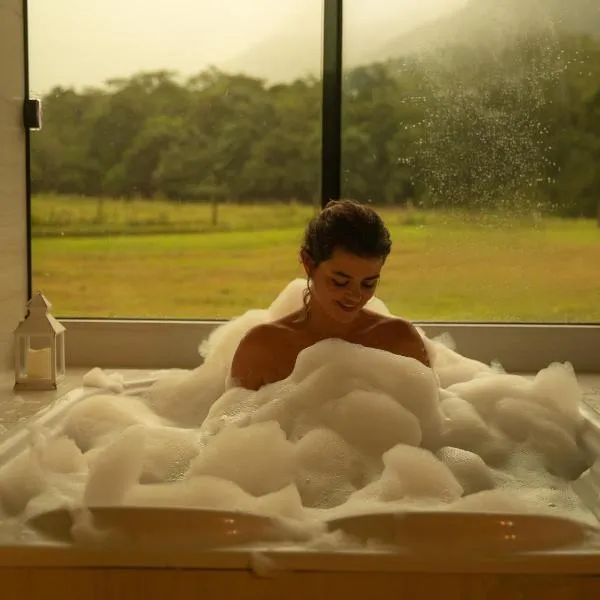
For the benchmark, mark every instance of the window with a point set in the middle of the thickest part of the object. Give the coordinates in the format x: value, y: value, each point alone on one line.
x: 474, y: 126
x: 180, y: 153
x: 109, y: 241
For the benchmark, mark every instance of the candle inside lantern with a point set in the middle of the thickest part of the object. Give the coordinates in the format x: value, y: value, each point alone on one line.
x: 38, y: 364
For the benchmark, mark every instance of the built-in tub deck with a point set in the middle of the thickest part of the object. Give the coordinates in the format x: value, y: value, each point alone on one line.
x: 57, y: 570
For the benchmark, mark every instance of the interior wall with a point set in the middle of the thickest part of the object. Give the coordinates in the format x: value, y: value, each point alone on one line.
x: 13, y: 231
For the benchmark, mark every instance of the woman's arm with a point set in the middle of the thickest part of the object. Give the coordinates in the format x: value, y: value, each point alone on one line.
x: 247, y: 367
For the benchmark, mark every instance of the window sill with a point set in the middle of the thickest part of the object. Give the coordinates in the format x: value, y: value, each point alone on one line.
x: 149, y: 344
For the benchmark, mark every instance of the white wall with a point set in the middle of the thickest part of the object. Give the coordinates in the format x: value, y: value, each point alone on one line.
x: 13, y: 259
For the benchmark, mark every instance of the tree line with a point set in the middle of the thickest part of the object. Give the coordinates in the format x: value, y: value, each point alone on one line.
x: 516, y: 126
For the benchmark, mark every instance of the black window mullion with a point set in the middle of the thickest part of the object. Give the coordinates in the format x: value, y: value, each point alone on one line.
x: 331, y: 132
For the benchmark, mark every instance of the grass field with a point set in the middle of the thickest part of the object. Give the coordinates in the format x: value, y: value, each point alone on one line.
x: 444, y: 266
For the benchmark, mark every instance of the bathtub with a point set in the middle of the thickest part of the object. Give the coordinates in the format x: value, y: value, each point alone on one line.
x: 56, y: 569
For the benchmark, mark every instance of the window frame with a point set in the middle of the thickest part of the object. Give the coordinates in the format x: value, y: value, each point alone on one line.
x: 13, y: 255
x: 155, y: 344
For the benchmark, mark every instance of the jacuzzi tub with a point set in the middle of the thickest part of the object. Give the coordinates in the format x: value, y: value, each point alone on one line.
x: 54, y: 569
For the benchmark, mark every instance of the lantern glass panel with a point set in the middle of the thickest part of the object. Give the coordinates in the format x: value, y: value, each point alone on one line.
x: 39, y: 357
x: 60, y: 355
x: 22, y: 348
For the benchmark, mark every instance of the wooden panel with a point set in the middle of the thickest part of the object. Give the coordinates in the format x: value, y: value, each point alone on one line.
x: 151, y: 584
x: 13, y: 283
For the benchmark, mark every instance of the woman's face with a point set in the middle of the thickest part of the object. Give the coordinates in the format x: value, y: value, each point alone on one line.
x: 344, y: 283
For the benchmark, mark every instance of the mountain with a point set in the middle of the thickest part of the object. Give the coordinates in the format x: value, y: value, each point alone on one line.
x: 498, y: 22
x: 393, y: 30
x: 291, y: 52
x: 295, y: 50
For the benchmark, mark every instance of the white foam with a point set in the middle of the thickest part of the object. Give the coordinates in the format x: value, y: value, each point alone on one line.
x: 351, y: 430
x: 201, y: 492
x: 99, y: 418
x: 470, y: 470
x: 98, y: 378
x: 258, y: 458
x: 372, y: 422
x: 416, y: 472
x: 497, y: 500
x: 329, y: 469
x: 450, y: 366
x: 20, y: 481
x: 115, y: 469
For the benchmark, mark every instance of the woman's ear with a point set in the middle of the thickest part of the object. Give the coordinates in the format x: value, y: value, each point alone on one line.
x: 307, y: 263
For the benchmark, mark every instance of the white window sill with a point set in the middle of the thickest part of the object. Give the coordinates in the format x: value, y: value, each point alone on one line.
x: 174, y: 344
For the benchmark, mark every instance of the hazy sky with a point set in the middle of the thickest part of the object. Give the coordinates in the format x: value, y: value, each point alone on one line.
x: 79, y: 42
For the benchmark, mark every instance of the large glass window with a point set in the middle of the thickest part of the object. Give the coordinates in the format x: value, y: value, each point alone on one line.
x: 179, y: 158
x: 474, y: 126
x: 180, y: 154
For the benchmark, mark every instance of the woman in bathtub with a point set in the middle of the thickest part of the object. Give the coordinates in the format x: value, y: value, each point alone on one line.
x: 343, y: 252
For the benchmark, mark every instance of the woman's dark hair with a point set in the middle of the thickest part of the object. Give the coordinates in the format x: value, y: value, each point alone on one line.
x: 346, y: 225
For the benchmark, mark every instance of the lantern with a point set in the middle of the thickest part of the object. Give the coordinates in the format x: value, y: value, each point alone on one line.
x: 39, y: 348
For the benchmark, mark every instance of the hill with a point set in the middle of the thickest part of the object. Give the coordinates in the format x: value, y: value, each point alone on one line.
x: 295, y: 50
x: 497, y: 23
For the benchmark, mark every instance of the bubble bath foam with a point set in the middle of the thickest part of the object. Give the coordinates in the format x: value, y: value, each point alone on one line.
x: 363, y: 474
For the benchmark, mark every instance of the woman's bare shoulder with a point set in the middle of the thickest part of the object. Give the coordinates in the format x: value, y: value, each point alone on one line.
x: 259, y: 336
x: 251, y: 361
x: 400, y: 336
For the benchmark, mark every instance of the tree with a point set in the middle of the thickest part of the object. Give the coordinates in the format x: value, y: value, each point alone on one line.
x: 517, y: 127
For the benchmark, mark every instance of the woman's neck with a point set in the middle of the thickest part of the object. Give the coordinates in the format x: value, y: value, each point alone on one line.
x: 322, y: 326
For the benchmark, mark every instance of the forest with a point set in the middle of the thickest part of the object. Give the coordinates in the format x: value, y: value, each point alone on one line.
x: 516, y: 127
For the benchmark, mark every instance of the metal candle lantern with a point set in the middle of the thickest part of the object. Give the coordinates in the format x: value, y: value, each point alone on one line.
x: 39, y: 348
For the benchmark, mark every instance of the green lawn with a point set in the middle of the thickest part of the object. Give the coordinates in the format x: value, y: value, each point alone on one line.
x: 444, y: 266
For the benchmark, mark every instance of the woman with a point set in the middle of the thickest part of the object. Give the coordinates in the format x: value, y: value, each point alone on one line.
x: 344, y: 250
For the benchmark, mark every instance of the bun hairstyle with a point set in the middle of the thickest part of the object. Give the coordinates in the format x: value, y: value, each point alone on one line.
x: 347, y: 225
